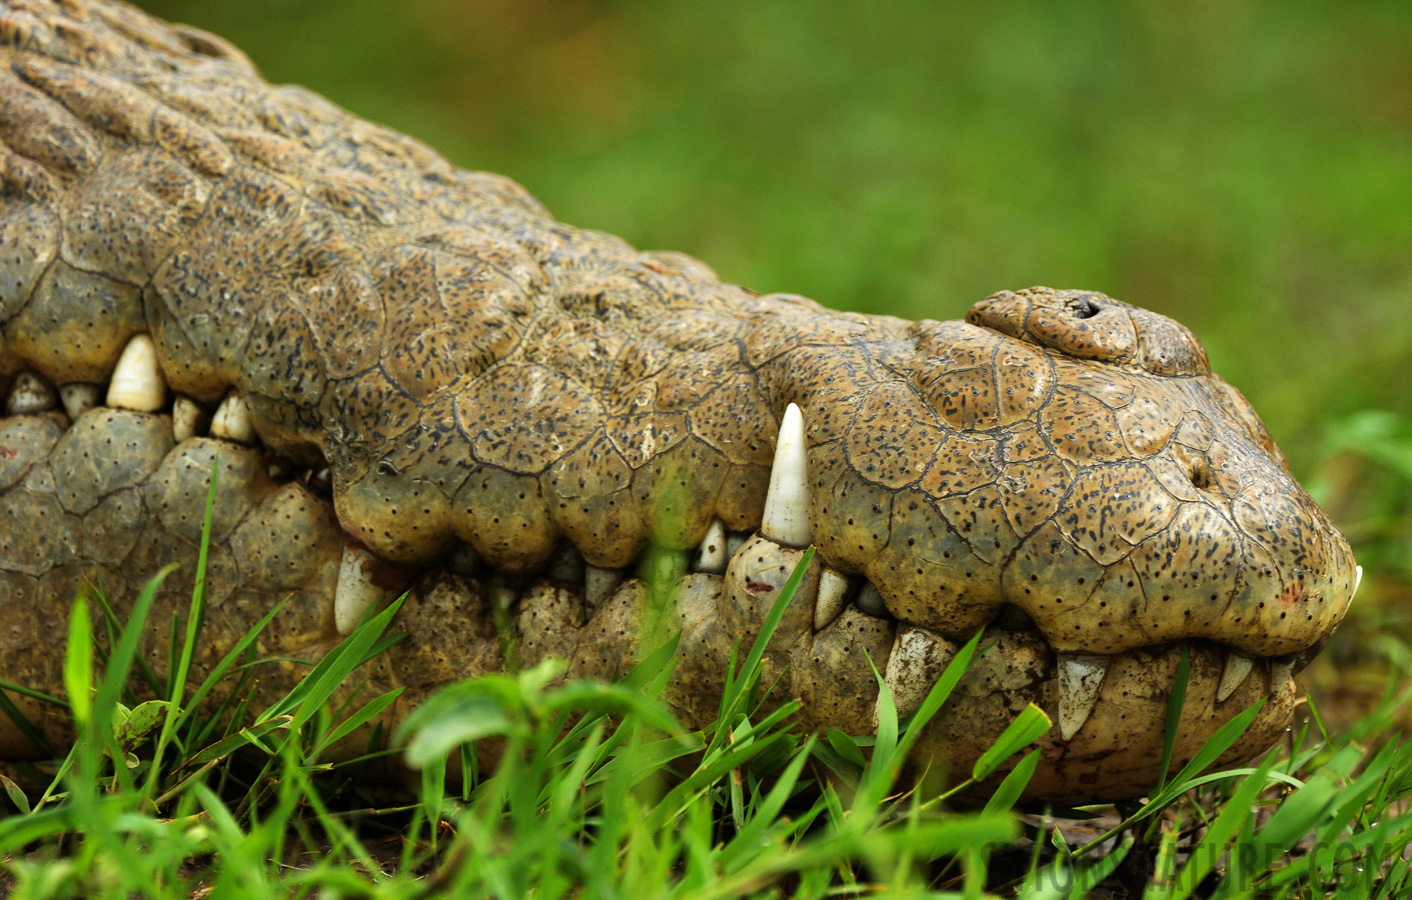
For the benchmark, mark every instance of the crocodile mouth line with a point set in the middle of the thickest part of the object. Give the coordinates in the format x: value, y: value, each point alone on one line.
x: 718, y: 592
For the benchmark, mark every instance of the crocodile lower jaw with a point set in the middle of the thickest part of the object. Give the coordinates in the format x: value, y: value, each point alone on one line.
x: 837, y: 627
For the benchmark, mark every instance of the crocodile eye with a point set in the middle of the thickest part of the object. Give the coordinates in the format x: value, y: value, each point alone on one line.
x: 1084, y: 307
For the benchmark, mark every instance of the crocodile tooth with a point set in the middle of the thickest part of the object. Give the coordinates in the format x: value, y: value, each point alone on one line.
x: 1280, y: 672
x: 598, y: 586
x: 29, y: 394
x: 188, y: 419
x: 1238, y: 666
x: 917, y: 660
x: 232, y: 421
x: 833, y: 597
x: 356, y: 591
x: 711, y: 558
x: 1080, y: 679
x: 871, y: 602
x: 137, y: 380
x: 1357, y: 579
x: 79, y: 397
x: 321, y: 481
x: 786, y: 518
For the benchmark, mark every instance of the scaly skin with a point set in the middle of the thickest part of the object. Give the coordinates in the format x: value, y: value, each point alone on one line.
x: 502, y: 399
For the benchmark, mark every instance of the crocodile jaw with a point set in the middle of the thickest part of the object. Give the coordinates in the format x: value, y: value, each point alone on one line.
x: 423, y: 362
x: 1109, y: 718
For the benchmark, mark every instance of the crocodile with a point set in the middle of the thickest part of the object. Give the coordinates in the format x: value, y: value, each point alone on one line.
x: 414, y: 380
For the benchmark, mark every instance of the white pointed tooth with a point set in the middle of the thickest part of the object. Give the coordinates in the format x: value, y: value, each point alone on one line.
x: 279, y: 469
x: 1238, y: 666
x: 1357, y: 582
x: 29, y: 394
x: 137, y: 380
x: 1080, y: 679
x: 1280, y: 672
x: 917, y: 660
x: 356, y: 591
x: 833, y: 597
x: 79, y: 397
x: 232, y: 421
x: 598, y: 586
x: 870, y: 601
x: 321, y: 481
x: 711, y: 556
x: 786, y: 518
x: 189, y: 419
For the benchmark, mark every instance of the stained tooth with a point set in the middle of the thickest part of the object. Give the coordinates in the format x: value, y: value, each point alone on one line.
x: 833, y: 597
x: 917, y: 660
x: 356, y: 591
x: 598, y: 586
x: 232, y: 421
x: 1238, y: 666
x: 321, y: 481
x: 79, y: 397
x: 278, y: 470
x: 29, y: 394
x: 137, y: 380
x: 711, y: 558
x: 1280, y: 672
x: 786, y: 518
x: 871, y: 602
x: 188, y: 419
x: 1080, y: 679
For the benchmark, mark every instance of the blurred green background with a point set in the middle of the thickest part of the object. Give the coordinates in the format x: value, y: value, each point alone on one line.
x: 1244, y: 166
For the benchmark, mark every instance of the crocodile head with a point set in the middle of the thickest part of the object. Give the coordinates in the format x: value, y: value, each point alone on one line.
x: 415, y: 379
x: 1067, y: 467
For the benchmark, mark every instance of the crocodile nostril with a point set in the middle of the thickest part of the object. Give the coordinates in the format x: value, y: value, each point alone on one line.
x: 1202, y: 478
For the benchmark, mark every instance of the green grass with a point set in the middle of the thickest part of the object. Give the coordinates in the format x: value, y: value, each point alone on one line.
x: 600, y: 792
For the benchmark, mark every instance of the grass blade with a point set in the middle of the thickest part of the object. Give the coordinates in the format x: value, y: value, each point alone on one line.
x: 78, y: 663
x: 1016, y: 780
x: 1217, y: 744
x: 1025, y: 729
x: 1223, y: 829
x: 1175, y: 702
x: 22, y: 723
